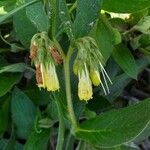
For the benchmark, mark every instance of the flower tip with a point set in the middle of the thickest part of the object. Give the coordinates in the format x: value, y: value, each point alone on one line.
x: 95, y: 77
x: 85, y: 86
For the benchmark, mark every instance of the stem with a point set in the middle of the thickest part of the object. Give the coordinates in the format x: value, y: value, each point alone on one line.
x: 68, y: 89
x: 70, y: 139
x: 59, y: 48
x: 79, y: 145
x: 73, y: 7
x: 54, y: 12
x: 60, y: 139
x: 5, y: 41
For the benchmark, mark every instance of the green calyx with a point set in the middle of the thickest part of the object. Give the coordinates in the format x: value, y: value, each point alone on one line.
x: 43, y: 48
x: 88, y: 53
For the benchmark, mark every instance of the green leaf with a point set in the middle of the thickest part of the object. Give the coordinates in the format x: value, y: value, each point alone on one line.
x: 87, y: 13
x: 85, y: 146
x: 65, y: 18
x: 145, y: 134
x: 11, y: 142
x: 119, y: 23
x: 38, y: 16
x: 143, y: 25
x: 23, y: 113
x: 24, y: 28
x: 18, y: 146
x: 39, y: 97
x: 7, y: 81
x: 52, y: 110
x: 11, y: 13
x: 38, y: 141
x: 125, y: 60
x: 121, y: 81
x: 89, y: 114
x: 116, y: 36
x: 104, y: 37
x: 145, y: 40
x: 122, y: 6
x: 19, y: 67
x: 8, y: 5
x: 117, y: 126
x: 3, y: 143
x: 98, y: 103
x: 4, y: 112
x: 135, y: 17
x: 45, y: 123
x: 124, y: 147
x: 3, y: 61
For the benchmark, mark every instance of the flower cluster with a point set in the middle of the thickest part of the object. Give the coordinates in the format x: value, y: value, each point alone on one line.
x: 45, y: 56
x: 88, y: 65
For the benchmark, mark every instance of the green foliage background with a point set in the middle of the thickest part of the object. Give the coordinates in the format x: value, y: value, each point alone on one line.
x: 29, y: 117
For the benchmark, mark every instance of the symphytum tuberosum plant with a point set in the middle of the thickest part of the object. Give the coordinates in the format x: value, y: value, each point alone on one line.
x: 72, y: 74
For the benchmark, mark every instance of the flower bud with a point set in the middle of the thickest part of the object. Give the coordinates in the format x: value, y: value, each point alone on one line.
x: 95, y: 77
x: 39, y: 76
x: 75, y: 68
x: 56, y: 55
x: 33, y: 51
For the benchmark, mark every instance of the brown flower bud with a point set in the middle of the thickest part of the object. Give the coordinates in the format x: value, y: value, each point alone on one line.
x: 33, y: 51
x: 56, y: 55
x: 38, y: 75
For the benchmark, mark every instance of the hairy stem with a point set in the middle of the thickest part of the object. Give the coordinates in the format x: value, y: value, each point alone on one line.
x: 68, y: 89
x: 73, y: 7
x: 60, y: 139
x: 54, y: 13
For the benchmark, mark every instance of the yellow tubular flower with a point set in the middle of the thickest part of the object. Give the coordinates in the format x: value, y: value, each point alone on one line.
x: 52, y: 83
x: 95, y: 77
x: 84, y: 86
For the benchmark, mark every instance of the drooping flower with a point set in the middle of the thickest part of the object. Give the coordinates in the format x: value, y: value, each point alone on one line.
x: 52, y: 83
x: 89, y: 53
x: 95, y: 77
x: 46, y: 77
x: 45, y: 56
x: 84, y: 86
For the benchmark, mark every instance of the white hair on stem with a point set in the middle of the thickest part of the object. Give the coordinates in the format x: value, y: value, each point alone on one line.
x: 105, y: 82
x: 103, y: 88
x: 105, y: 73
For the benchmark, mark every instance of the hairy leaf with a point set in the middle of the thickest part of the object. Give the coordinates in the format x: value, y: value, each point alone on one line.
x: 38, y: 16
x: 124, y: 6
x: 23, y: 113
x: 117, y: 126
x: 7, y: 81
x: 125, y: 60
x: 38, y: 141
x: 86, y: 16
x: 25, y: 30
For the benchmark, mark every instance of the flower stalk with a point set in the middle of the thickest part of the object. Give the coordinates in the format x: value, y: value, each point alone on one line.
x: 68, y: 89
x: 60, y: 139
